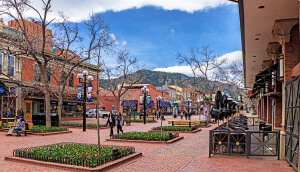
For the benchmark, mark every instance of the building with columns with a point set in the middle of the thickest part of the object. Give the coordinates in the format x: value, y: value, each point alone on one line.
x: 271, y: 59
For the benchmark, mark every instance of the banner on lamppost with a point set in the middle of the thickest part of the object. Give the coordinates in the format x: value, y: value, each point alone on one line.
x: 89, y: 93
x: 141, y: 102
x: 148, y: 100
x: 79, y: 93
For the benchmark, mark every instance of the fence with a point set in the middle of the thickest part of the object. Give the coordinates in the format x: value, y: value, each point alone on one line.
x: 248, y: 143
x: 85, y: 162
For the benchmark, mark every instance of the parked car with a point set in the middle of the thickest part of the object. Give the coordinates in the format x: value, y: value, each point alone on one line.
x: 92, y: 113
x: 103, y: 113
x: 115, y: 112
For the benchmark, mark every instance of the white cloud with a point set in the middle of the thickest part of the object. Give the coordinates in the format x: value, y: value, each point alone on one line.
x: 172, y: 31
x: 232, y: 56
x: 124, y: 43
x: 79, y: 10
x: 113, y: 37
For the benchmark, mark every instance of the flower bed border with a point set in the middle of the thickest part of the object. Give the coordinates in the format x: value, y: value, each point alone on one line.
x: 40, y: 134
x: 51, y: 133
x: 171, y: 131
x: 86, y: 127
x: 103, y: 167
x: 148, y: 141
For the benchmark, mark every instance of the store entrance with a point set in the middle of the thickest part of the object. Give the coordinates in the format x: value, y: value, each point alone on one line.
x: 28, y: 111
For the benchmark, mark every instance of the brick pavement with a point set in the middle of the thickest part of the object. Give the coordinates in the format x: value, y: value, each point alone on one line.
x: 190, y: 154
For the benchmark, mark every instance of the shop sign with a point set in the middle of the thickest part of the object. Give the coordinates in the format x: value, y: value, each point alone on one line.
x: 1, y: 90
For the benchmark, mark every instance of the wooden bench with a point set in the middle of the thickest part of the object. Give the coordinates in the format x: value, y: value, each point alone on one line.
x: 148, y: 117
x: 182, y: 123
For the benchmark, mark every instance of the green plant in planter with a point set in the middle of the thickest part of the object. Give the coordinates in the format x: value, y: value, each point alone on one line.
x: 80, y: 125
x: 138, y: 120
x: 75, y: 154
x: 145, y: 136
x: 44, y: 129
x: 175, y: 128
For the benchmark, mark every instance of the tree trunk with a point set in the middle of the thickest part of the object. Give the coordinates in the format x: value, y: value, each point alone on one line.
x: 47, y: 103
x: 59, y: 107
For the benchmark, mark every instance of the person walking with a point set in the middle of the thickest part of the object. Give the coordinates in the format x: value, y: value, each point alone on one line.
x: 21, y: 126
x: 119, y: 123
x: 190, y: 114
x: 111, y: 121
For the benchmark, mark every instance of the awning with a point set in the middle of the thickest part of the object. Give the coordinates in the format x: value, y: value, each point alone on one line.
x: 151, y: 103
x: 263, y: 77
x: 129, y: 103
x: 165, y: 104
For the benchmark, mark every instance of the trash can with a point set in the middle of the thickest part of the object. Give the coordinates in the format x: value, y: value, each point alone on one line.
x: 40, y: 119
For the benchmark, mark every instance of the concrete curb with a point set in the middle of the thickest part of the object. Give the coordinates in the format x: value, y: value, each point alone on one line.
x: 158, y: 131
x: 103, y: 167
x: 146, y: 141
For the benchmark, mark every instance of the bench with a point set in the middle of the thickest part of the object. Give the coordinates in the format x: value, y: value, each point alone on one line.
x: 148, y: 117
x: 30, y: 126
x: 182, y: 123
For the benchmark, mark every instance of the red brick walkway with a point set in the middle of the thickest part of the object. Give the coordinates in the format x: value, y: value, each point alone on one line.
x: 190, y: 154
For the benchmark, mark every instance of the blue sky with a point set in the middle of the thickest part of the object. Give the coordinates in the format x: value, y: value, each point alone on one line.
x: 154, y: 31
x: 154, y: 35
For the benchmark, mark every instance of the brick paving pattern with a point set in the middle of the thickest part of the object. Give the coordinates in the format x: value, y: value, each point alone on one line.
x: 189, y: 154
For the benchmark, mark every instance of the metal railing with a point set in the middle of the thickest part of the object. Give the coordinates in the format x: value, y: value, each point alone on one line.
x: 248, y: 143
x: 85, y: 162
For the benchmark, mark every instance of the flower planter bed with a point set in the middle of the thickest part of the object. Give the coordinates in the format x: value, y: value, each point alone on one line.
x: 74, y: 154
x: 78, y: 125
x: 139, y: 121
x: 146, y: 137
x: 176, y: 129
x: 43, y: 130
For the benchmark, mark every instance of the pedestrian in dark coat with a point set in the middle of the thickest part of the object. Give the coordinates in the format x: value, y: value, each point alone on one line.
x: 111, y: 121
x: 119, y: 123
x: 186, y: 115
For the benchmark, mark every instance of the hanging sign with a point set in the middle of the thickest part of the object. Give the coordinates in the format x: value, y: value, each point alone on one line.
x: 141, y: 100
x: 79, y: 93
x: 89, y: 93
x: 1, y: 90
x: 148, y: 99
x: 113, y: 107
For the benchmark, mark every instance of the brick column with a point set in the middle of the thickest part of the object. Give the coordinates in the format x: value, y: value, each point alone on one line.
x: 265, y: 108
x: 269, y: 110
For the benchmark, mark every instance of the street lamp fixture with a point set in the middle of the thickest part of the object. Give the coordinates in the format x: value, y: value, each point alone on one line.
x: 83, y: 78
x: 145, y: 91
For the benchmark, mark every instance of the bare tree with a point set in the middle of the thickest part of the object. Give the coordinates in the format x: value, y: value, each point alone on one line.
x: 121, y: 77
x: 32, y: 44
x: 204, y: 64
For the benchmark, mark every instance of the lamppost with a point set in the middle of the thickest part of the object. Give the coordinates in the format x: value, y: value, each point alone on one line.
x: 83, y: 79
x: 188, y: 105
x: 158, y: 99
x: 145, y: 92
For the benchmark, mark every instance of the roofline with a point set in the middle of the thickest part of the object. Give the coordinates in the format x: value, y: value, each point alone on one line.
x: 242, y: 27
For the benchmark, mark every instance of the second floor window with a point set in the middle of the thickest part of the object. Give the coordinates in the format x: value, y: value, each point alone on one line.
x: 37, y: 73
x: 11, y: 66
x: 71, y: 80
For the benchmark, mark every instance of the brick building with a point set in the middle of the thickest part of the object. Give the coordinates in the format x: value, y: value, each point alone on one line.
x: 271, y: 57
x: 25, y: 70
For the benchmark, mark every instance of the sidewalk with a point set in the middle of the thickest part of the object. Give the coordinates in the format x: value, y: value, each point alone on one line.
x: 190, y: 154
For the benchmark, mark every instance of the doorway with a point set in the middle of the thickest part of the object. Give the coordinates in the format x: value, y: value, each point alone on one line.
x: 28, y: 111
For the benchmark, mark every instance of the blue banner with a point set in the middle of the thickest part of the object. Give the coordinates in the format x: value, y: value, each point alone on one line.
x: 1, y: 90
x: 79, y: 93
x: 148, y: 100
x: 89, y: 93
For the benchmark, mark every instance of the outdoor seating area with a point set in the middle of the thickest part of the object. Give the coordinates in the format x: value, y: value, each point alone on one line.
x: 238, y: 138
